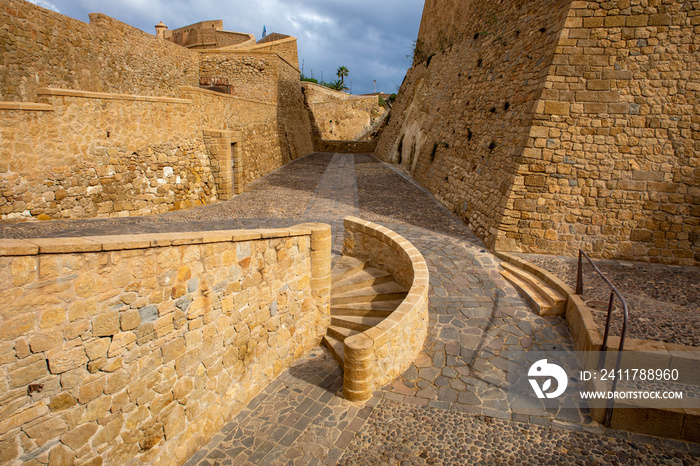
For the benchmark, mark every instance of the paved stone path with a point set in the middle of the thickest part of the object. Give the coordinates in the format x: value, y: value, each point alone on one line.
x: 453, y: 405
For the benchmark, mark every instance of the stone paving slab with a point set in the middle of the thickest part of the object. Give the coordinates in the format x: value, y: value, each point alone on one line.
x: 452, y: 405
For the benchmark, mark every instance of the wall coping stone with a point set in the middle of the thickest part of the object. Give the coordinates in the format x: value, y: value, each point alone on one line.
x: 52, y: 91
x: 31, y: 106
x: 198, y: 90
x: 34, y: 246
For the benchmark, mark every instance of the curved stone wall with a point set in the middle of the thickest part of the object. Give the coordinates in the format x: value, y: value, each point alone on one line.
x: 379, y: 354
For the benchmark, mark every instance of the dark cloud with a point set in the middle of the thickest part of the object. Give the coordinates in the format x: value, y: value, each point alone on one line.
x: 371, y: 38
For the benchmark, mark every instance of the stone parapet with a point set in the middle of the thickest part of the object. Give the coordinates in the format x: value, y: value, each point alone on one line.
x: 379, y: 354
x: 139, y: 348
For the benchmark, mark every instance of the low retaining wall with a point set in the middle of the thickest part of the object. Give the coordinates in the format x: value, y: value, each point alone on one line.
x: 345, y: 147
x: 140, y: 348
x: 378, y: 355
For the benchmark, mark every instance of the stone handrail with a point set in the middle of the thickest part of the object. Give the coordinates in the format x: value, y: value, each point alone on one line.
x: 379, y: 354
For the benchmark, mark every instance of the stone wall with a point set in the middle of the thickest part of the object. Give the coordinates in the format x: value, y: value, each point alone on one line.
x: 345, y: 147
x: 294, y: 124
x: 261, y: 149
x: 74, y: 153
x: 378, y: 355
x: 463, y: 112
x: 140, y: 348
x: 557, y: 125
x: 251, y: 75
x: 98, y: 155
x: 340, y: 116
x: 611, y: 163
x: 282, y: 45
x: 40, y: 48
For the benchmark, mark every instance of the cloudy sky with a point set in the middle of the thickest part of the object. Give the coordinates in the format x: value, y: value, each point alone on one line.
x: 370, y: 37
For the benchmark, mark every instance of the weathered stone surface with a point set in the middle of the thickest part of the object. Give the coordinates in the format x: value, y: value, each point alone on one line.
x: 46, y: 430
x: 61, y: 455
x: 555, y: 115
x: 64, y: 359
x: 79, y: 436
x: 106, y: 324
x: 63, y: 400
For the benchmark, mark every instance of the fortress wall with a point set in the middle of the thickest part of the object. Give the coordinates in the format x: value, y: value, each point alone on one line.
x: 284, y: 46
x: 80, y: 154
x: 463, y: 113
x: 140, y: 348
x: 340, y: 116
x: 274, y: 123
x: 294, y: 124
x: 261, y: 144
x: 41, y: 48
x: 251, y: 75
x: 611, y: 163
x: 99, y: 155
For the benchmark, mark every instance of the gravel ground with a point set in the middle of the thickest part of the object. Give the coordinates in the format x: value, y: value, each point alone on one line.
x: 403, y: 434
x: 663, y: 301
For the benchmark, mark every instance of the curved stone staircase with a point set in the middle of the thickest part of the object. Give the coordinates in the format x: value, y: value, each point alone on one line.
x: 361, y: 297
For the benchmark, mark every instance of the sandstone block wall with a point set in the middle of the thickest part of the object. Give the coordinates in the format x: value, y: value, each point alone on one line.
x: 345, y: 147
x: 294, y: 124
x: 558, y: 125
x: 73, y: 153
x: 378, y: 355
x: 611, y: 163
x: 140, y: 348
x: 98, y: 155
x: 250, y: 75
x: 283, y: 45
x: 41, y: 48
x: 340, y: 116
x: 464, y: 110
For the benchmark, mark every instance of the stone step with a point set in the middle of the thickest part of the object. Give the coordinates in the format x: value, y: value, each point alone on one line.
x: 355, y: 322
x: 347, y: 311
x: 389, y: 291
x: 360, y: 279
x: 345, y: 267
x: 341, y: 333
x: 369, y: 306
x: 545, y: 300
x: 337, y: 349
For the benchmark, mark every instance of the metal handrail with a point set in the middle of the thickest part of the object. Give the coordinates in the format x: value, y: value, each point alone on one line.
x: 604, y: 348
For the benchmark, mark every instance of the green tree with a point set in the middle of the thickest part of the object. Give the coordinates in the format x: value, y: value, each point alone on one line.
x: 342, y: 73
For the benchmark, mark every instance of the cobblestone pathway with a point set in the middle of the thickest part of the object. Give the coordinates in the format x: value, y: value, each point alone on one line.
x: 452, y: 406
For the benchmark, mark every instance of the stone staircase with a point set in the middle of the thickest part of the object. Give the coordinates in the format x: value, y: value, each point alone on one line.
x: 543, y: 298
x: 361, y: 297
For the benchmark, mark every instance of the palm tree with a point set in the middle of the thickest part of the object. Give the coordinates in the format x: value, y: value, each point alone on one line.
x: 342, y: 73
x: 337, y: 85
